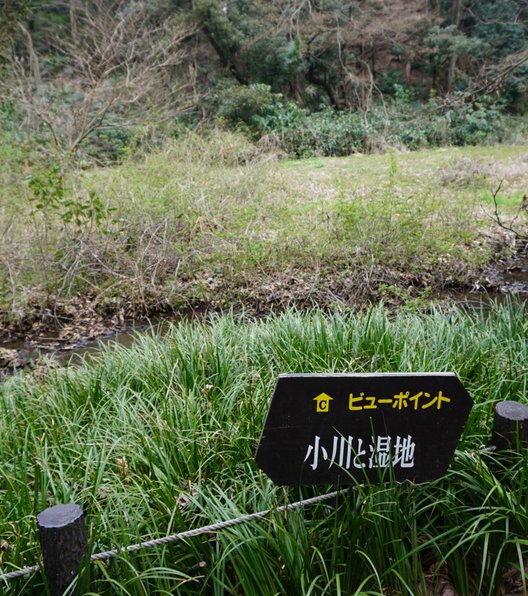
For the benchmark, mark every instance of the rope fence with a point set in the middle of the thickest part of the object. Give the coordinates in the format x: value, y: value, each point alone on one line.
x: 211, y: 528
x: 63, y: 531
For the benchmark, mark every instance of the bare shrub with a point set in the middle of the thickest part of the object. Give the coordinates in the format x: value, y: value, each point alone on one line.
x: 466, y: 172
x: 221, y: 148
x: 121, y: 69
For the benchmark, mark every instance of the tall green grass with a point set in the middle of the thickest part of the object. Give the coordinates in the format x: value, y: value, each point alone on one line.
x: 160, y: 438
x: 214, y: 220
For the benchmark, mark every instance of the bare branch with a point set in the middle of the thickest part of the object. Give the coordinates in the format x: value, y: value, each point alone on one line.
x: 119, y: 65
x: 499, y: 73
x: 508, y: 228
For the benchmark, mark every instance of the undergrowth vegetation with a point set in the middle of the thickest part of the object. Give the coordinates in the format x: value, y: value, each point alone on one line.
x: 214, y: 219
x: 160, y: 438
x: 402, y: 123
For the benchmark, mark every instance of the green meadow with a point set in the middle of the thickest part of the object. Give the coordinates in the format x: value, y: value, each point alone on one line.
x: 159, y: 438
x: 213, y: 221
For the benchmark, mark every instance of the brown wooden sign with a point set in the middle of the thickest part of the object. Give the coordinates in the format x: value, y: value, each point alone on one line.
x: 349, y: 428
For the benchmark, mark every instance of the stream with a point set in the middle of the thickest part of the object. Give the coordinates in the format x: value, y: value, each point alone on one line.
x: 15, y: 355
x: 504, y: 281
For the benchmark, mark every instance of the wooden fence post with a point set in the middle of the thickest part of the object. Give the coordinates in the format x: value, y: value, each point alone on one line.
x: 510, y: 425
x: 64, y: 544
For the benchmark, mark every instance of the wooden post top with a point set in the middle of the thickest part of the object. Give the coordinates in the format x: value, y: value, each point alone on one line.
x: 513, y: 410
x: 59, y: 516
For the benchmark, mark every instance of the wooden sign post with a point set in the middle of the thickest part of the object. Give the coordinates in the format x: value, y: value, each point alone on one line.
x: 349, y: 428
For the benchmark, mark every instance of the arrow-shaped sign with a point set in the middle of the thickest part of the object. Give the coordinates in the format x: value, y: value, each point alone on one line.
x: 345, y: 428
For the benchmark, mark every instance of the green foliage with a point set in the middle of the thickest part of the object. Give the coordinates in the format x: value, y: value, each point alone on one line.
x: 327, y: 133
x: 273, y: 54
x: 514, y: 91
x: 66, y: 109
x: 473, y: 124
x: 278, y: 117
x: 250, y: 48
x: 213, y: 218
x: 403, y: 124
x: 48, y: 195
x: 219, y: 26
x: 320, y: 60
x: 390, y: 81
x: 272, y: 69
x: 243, y: 104
x: 12, y: 12
x: 395, y: 228
x: 160, y: 438
x: 449, y: 41
x: 256, y: 109
x: 108, y: 145
x: 501, y: 26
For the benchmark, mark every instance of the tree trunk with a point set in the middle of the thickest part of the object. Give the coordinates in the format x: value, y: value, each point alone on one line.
x: 32, y: 56
x: 451, y: 73
x: 323, y: 83
x: 408, y: 71
x: 73, y: 21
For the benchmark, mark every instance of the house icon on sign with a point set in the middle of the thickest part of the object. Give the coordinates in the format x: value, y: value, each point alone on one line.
x: 323, y: 402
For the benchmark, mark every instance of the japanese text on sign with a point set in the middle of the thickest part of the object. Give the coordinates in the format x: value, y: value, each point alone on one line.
x: 344, y: 428
x: 419, y: 401
x: 348, y: 453
x: 400, y: 401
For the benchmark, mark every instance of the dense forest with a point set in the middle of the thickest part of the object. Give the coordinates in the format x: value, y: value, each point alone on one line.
x: 329, y: 77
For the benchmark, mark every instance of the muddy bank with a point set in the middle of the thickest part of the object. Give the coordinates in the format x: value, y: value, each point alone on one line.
x: 509, y: 277
x: 71, y: 327
x: 77, y: 326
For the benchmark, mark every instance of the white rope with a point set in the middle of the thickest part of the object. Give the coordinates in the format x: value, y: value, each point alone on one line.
x: 19, y: 572
x: 189, y: 533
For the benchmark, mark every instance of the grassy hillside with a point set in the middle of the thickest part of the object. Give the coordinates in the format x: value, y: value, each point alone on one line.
x: 160, y: 439
x: 216, y: 221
